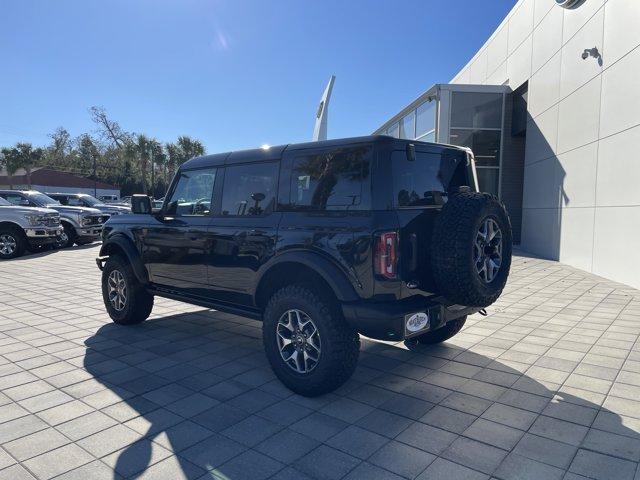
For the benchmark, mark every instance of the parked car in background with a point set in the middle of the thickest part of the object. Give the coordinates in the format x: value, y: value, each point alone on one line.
x: 322, y: 241
x: 108, y: 198
x: 24, y: 228
x: 85, y: 200
x: 80, y: 225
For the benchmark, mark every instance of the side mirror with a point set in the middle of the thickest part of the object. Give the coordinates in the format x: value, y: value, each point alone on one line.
x: 23, y: 202
x: 141, y: 204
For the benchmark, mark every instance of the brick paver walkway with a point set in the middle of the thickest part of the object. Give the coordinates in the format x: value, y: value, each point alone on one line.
x: 546, y: 387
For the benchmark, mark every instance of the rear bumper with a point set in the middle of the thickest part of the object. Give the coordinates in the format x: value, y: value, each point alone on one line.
x: 387, y: 320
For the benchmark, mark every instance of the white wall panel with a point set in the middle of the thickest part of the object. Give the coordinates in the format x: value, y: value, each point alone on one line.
x: 497, y: 50
x: 576, y: 173
x: 478, y: 69
x: 519, y: 64
x: 615, y: 250
x: 619, y: 169
x: 621, y: 95
x: 542, y: 136
x: 621, y: 28
x: 579, y: 117
x: 520, y: 24
x: 576, y: 237
x: 575, y: 71
x: 540, y: 231
x: 540, y: 10
x: 544, y: 87
x: 541, y: 186
x: 575, y: 18
x: 547, y: 38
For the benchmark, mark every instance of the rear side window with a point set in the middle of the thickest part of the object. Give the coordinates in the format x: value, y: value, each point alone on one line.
x: 249, y: 190
x: 423, y: 181
x: 336, y: 180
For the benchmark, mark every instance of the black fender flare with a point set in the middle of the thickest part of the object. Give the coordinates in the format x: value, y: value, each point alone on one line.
x: 335, y: 277
x: 123, y: 243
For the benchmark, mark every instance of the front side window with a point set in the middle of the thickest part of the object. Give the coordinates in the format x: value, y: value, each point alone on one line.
x: 4, y: 203
x: 193, y: 192
x: 15, y: 199
x: 73, y: 202
x: 333, y: 180
x: 250, y: 190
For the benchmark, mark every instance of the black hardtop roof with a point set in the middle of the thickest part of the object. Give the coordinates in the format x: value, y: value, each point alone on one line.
x: 275, y: 152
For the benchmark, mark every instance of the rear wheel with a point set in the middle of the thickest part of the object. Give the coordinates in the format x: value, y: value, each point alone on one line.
x: 12, y: 243
x: 441, y: 334
x: 125, y: 299
x: 310, y: 347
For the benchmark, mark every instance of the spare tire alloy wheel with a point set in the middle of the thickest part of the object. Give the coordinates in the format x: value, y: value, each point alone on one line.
x: 8, y: 245
x: 298, y: 341
x: 117, y: 290
x: 487, y: 251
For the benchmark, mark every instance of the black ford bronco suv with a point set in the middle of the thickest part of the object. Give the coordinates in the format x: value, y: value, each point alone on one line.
x: 320, y: 241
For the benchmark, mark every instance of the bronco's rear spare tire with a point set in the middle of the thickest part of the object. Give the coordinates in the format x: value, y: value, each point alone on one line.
x: 471, y: 249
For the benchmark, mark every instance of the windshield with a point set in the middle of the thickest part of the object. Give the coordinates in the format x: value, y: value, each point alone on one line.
x: 42, y: 200
x: 92, y: 201
x: 4, y: 203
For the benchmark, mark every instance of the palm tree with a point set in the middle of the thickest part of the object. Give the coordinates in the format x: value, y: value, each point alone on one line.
x: 143, y: 153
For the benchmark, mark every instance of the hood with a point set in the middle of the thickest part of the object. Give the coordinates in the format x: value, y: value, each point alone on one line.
x: 75, y: 210
x: 26, y: 210
x: 113, y: 209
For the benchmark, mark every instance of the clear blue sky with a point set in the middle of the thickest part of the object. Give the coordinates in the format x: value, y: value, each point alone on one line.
x: 232, y: 73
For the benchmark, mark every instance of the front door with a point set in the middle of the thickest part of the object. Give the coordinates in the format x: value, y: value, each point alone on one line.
x: 177, y: 243
x: 244, y: 230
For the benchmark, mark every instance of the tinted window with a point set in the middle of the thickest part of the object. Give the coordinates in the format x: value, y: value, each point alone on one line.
x: 484, y: 143
x: 193, y: 192
x: 334, y: 180
x: 426, y: 179
x: 72, y: 201
x: 249, y: 189
x: 476, y: 110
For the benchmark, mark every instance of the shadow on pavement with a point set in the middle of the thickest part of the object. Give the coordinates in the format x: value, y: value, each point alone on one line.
x: 198, y: 384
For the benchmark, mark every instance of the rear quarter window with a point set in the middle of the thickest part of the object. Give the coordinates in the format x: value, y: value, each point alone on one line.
x: 427, y: 179
x: 332, y: 180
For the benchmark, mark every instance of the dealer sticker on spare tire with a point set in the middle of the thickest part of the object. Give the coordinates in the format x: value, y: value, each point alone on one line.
x: 416, y: 322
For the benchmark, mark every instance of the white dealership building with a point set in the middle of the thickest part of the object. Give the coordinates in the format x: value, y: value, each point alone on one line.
x: 550, y: 104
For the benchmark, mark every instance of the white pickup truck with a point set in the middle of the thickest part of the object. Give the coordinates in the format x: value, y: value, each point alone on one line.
x: 26, y: 227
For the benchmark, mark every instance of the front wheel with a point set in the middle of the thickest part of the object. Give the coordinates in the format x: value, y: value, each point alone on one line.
x: 66, y: 238
x: 125, y: 299
x: 309, y: 345
x: 12, y: 243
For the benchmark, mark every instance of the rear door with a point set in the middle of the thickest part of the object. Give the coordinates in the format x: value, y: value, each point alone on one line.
x: 244, y: 229
x: 420, y: 189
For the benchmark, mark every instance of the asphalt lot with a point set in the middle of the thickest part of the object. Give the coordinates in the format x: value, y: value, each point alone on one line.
x: 545, y: 387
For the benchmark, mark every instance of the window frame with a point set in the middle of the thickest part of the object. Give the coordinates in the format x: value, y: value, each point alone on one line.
x: 174, y: 184
x: 219, y: 188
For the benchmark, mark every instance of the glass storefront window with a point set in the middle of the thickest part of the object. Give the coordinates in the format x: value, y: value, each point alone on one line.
x: 476, y: 110
x: 426, y: 119
x: 394, y: 130
x: 484, y: 143
x: 408, y: 126
x: 488, y: 179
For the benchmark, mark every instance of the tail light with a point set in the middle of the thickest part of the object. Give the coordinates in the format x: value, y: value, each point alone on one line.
x: 385, y: 260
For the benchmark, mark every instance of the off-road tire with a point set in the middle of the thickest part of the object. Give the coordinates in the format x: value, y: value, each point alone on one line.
x: 71, y: 237
x: 139, y: 302
x: 441, y: 334
x: 452, y: 249
x: 18, y: 236
x: 340, y: 344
